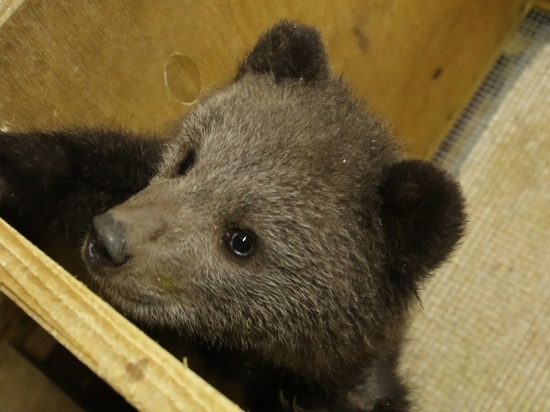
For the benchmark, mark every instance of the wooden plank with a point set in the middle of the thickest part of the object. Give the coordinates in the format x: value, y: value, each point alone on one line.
x: 25, y: 388
x: 144, y: 373
x: 116, y: 62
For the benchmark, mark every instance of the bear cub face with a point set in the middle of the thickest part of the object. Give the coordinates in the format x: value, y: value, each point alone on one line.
x: 282, y: 220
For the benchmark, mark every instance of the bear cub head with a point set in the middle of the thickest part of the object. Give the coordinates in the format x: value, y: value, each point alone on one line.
x: 282, y: 220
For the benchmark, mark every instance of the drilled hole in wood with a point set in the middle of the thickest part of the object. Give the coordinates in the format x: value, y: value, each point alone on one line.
x: 182, y: 78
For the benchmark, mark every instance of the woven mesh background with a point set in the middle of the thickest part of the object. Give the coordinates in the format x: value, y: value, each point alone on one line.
x: 481, y: 342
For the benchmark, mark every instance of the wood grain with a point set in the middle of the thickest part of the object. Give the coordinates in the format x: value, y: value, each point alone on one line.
x: 417, y: 61
x: 146, y: 375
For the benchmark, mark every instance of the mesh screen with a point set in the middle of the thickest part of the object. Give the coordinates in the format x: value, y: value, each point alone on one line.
x: 482, y: 340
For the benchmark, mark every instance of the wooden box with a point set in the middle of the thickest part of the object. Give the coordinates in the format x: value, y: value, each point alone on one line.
x: 141, y: 65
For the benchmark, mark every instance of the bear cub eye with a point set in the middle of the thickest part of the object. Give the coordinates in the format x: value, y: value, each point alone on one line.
x: 187, y: 163
x: 240, y: 242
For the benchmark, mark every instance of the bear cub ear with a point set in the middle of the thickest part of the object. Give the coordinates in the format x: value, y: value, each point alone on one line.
x: 289, y: 51
x: 423, y: 218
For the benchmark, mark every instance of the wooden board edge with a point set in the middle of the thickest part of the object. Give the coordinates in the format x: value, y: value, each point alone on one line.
x: 7, y: 8
x: 145, y: 374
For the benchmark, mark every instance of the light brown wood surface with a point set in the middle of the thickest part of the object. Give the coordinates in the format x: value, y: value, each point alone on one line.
x: 146, y: 375
x: 109, y: 62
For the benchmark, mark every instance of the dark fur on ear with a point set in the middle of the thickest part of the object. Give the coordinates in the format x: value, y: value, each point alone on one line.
x: 423, y: 217
x: 289, y: 51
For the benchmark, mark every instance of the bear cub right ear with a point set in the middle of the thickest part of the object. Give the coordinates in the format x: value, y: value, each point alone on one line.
x: 423, y: 218
x: 289, y: 51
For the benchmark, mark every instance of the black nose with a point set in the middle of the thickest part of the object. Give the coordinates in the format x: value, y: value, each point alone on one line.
x: 107, y: 243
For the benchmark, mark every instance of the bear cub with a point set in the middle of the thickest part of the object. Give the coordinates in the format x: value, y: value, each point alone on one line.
x: 278, y: 234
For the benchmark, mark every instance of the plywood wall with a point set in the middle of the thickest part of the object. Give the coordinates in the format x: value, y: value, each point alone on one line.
x: 138, y: 64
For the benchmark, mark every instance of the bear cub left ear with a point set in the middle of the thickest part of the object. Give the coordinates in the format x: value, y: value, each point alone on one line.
x: 423, y: 217
x: 289, y: 51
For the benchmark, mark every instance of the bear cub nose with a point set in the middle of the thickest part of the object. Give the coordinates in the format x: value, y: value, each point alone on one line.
x: 107, y: 243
